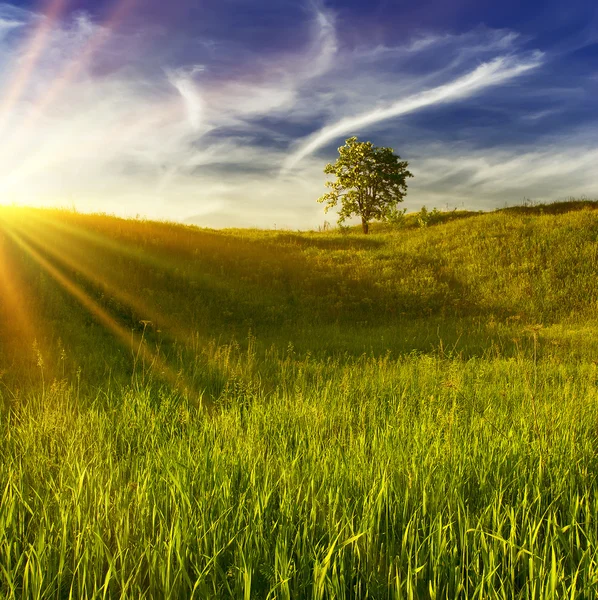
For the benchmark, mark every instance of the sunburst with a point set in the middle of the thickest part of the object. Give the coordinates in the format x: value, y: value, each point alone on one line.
x: 21, y: 135
x: 21, y: 235
x: 59, y: 240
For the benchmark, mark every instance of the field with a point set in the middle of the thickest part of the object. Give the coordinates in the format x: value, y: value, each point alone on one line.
x: 187, y: 413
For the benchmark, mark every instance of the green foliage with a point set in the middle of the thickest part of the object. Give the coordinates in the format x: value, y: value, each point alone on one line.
x: 370, y: 182
x: 396, y: 217
x: 426, y: 217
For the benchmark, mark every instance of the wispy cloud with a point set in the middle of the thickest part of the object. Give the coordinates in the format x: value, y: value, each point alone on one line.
x: 7, y: 24
x: 499, y: 177
x: 183, y: 82
x: 486, y: 75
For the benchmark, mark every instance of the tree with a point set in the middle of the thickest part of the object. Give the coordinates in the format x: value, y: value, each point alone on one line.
x: 370, y: 182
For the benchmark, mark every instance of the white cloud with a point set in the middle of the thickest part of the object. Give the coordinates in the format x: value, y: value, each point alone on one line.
x: 8, y: 24
x: 486, y: 75
x: 273, y: 86
x: 459, y: 175
x: 188, y: 90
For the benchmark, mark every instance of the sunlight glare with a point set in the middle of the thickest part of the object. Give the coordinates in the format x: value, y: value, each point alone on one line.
x: 18, y: 321
x: 20, y: 236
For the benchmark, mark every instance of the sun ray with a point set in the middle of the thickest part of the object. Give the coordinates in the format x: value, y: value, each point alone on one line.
x: 61, y: 249
x: 36, y: 45
x: 18, y: 321
x: 73, y: 69
x: 117, y: 135
x: 176, y: 379
x: 78, y: 227
x: 22, y: 134
x: 79, y: 232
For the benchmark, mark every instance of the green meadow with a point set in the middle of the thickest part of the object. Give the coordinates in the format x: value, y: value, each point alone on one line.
x: 191, y: 413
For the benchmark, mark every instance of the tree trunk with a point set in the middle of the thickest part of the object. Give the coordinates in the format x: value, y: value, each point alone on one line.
x: 365, y: 225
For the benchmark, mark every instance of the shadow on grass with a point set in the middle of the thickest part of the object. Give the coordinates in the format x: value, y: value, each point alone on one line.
x: 328, y: 241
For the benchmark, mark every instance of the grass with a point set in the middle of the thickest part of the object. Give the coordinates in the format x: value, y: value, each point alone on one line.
x: 317, y: 415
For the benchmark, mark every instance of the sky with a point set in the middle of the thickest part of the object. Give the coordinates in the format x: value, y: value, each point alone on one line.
x: 224, y: 113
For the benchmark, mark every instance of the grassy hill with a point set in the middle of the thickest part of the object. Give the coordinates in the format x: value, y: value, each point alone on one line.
x: 273, y: 414
x: 467, y: 282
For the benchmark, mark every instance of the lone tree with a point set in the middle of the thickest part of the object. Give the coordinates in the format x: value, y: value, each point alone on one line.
x: 370, y: 182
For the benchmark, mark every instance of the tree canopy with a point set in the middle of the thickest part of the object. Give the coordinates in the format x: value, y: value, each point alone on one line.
x: 370, y: 182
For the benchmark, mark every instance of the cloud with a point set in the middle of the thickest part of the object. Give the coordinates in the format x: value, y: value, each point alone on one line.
x: 273, y: 85
x: 183, y: 81
x: 8, y: 24
x: 460, y: 176
x: 271, y: 89
x: 112, y: 138
x: 486, y: 75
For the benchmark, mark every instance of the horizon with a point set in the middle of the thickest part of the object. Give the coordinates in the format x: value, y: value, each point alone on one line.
x: 527, y: 206
x: 224, y: 115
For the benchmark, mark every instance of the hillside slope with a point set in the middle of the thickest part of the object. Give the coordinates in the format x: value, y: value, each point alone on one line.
x: 89, y: 284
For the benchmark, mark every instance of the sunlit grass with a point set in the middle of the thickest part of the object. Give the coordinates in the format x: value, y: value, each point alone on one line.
x: 393, y: 479
x: 251, y: 414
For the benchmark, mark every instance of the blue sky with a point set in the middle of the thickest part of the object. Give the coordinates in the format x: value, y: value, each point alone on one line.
x: 224, y: 113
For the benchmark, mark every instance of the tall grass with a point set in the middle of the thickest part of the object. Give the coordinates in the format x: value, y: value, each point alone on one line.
x: 421, y: 477
x: 411, y: 415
